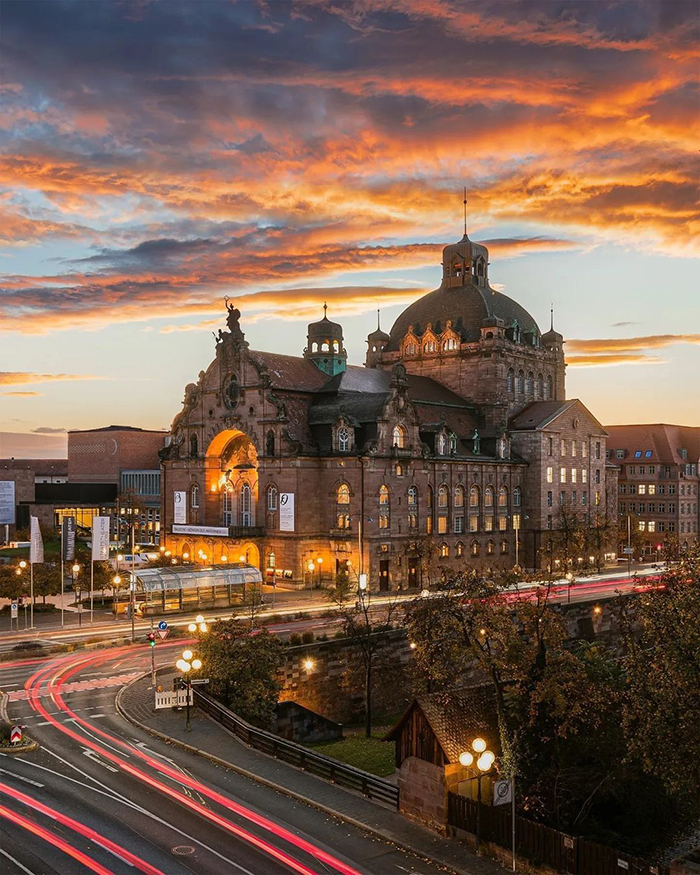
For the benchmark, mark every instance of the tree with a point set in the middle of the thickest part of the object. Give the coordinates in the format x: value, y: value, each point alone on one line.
x: 243, y: 667
x: 343, y: 593
x: 599, y: 534
x: 636, y: 536
x: 422, y: 550
x: 661, y: 633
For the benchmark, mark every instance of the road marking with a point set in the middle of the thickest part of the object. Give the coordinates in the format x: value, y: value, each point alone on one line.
x: 92, y: 755
x: 21, y: 778
x: 16, y: 862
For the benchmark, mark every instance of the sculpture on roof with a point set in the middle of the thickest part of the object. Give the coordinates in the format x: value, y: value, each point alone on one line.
x: 232, y: 320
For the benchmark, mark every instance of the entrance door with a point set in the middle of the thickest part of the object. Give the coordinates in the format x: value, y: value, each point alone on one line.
x: 412, y: 574
x: 384, y: 575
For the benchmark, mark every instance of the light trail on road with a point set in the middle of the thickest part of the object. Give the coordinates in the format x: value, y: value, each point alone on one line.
x: 67, y: 668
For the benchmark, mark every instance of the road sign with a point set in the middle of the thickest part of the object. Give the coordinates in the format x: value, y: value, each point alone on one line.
x: 13, y: 610
x: 163, y: 633
x: 628, y: 550
x: 199, y: 681
x: 16, y: 734
x: 162, y: 625
x: 502, y: 792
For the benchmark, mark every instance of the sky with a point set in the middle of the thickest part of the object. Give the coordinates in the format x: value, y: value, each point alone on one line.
x: 156, y: 157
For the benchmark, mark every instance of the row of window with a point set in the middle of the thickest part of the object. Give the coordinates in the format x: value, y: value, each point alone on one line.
x: 651, y: 507
x: 528, y: 384
x: 659, y: 526
x: 443, y: 496
x: 474, y: 549
x: 573, y: 498
x: 571, y: 475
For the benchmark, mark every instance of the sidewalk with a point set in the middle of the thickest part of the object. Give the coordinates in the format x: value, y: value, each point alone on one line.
x: 135, y: 702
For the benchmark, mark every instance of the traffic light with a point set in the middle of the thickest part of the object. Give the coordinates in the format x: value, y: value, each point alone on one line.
x: 152, y: 639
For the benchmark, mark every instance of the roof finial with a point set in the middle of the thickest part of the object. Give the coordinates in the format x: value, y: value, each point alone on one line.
x: 465, y: 210
x: 325, y: 308
x: 379, y: 327
x: 551, y: 317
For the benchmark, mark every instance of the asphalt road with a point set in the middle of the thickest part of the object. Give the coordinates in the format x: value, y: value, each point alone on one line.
x: 99, y: 795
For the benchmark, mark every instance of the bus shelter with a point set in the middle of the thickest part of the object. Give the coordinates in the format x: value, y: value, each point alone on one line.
x: 182, y: 588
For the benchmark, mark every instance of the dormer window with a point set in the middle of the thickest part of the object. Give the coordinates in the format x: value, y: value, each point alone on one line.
x: 399, y: 436
x: 453, y: 443
x: 429, y: 346
x: 411, y: 348
x: 343, y: 440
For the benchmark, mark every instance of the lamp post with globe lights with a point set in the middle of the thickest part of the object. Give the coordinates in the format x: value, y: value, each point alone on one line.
x: 75, y: 570
x: 186, y: 664
x: 199, y: 625
x: 116, y: 580
x: 484, y: 760
x: 569, y: 581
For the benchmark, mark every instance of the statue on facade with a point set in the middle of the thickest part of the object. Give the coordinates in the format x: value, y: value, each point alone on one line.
x: 476, y: 443
x: 232, y: 320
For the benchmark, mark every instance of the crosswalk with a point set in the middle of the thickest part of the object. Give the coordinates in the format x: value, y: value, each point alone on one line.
x: 75, y: 687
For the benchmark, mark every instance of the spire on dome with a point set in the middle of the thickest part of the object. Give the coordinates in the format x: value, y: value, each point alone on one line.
x: 465, y: 212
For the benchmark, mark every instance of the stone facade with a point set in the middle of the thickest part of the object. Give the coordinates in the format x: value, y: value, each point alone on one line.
x: 99, y: 455
x: 435, y: 453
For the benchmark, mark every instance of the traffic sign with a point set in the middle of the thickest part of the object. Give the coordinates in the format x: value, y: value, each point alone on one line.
x: 163, y: 633
x: 16, y: 734
x: 13, y: 610
x: 199, y: 681
x: 628, y: 550
x: 502, y: 792
x: 162, y: 625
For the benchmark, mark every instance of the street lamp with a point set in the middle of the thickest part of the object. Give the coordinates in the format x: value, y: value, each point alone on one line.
x: 320, y: 563
x: 569, y: 580
x: 189, y: 662
x: 199, y: 623
x: 485, y: 760
x: 75, y: 571
x: 116, y: 580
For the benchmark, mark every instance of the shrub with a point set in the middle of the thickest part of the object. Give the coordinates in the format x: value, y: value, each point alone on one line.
x: 295, y: 639
x: 307, y: 637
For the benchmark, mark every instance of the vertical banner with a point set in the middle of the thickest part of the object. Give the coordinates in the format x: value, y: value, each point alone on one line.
x: 100, y: 538
x: 179, y: 507
x: 68, y: 539
x: 36, y: 548
x: 287, y: 512
x: 7, y: 502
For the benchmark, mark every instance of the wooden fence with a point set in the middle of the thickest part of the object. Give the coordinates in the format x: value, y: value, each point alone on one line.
x: 543, y: 846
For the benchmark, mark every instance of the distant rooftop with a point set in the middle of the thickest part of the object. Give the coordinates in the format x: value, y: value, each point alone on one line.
x: 117, y: 428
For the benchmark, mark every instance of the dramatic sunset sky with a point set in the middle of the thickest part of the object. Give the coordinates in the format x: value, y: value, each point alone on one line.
x: 156, y: 156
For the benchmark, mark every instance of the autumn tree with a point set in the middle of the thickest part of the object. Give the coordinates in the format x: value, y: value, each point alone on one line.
x: 243, y: 667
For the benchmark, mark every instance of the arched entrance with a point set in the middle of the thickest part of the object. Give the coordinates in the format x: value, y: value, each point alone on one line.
x: 231, y: 478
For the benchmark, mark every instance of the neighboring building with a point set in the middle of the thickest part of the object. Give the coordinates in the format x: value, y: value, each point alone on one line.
x: 102, y: 463
x: 658, y: 481
x: 457, y: 432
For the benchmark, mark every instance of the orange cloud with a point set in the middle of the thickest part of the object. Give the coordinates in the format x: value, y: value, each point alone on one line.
x: 19, y: 378
x: 622, y: 344
x: 23, y: 394
x: 598, y: 361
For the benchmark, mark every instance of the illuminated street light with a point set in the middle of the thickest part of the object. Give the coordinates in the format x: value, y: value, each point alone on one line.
x: 484, y: 763
x: 309, y: 664
x: 479, y: 745
x: 466, y: 758
x: 22, y: 564
x: 186, y: 664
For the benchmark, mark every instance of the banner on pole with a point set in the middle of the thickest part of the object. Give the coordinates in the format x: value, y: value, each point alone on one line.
x: 100, y: 538
x: 7, y: 502
x: 36, y: 544
x: 179, y: 507
x: 68, y: 538
x: 287, y: 512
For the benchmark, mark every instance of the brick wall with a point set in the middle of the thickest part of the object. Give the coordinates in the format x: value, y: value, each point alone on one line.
x: 100, y: 456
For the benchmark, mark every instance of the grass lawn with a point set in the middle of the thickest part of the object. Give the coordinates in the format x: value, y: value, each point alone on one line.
x: 370, y: 754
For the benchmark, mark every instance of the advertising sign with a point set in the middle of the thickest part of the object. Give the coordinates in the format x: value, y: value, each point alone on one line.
x: 68, y: 538
x: 204, y: 531
x: 7, y: 502
x: 179, y: 507
x: 287, y: 512
x: 100, y: 538
x: 36, y: 544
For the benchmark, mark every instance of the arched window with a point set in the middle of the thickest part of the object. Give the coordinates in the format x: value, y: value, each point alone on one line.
x: 384, y: 495
x: 336, y: 346
x: 548, y: 387
x: 539, y: 386
x: 474, y: 496
x: 456, y: 267
x: 490, y: 548
x: 246, y: 505
x: 325, y: 346
x: 271, y: 560
x: 521, y: 382
x: 412, y: 496
x: 444, y: 551
x: 399, y: 436
x: 517, y: 496
x: 272, y: 498
x: 511, y: 380
x: 530, y: 383
x: 488, y: 496
x: 429, y: 346
x: 453, y: 443
x: 441, y: 444
x: 443, y: 495
x: 475, y: 548
x: 314, y: 347
x: 343, y: 494
x: 343, y: 440
x: 193, y: 446
x: 411, y: 349
x: 342, y: 500
x: 270, y: 443
x: 194, y: 496
x: 503, y: 496
x: 459, y: 548
x: 504, y: 546
x: 459, y: 496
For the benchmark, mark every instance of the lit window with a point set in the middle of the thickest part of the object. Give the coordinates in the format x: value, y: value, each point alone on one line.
x: 194, y: 497
x: 412, y: 496
x: 473, y: 523
x: 503, y: 497
x: 502, y: 523
x: 474, y: 496
x: 399, y: 436
x: 475, y: 548
x: 383, y: 521
x: 651, y: 489
x: 488, y: 523
x: 444, y: 551
x: 442, y: 525
x: 459, y: 496
x: 574, y: 474
x: 459, y: 548
x: 488, y: 496
x: 343, y: 495
x: 441, y: 444
x: 651, y: 527
x: 573, y: 448
x: 642, y: 489
x: 272, y: 498
x: 550, y: 475
x: 584, y: 475
x: 504, y: 546
x: 562, y: 475
x: 443, y: 496
x: 490, y: 548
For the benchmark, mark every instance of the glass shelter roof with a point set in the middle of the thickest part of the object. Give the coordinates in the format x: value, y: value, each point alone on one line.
x: 187, y: 577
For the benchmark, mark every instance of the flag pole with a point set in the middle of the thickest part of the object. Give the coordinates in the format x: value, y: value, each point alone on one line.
x: 31, y: 596
x: 62, y: 550
x: 92, y: 585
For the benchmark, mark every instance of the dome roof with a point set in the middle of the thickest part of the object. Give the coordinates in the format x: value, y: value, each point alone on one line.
x: 325, y: 327
x: 378, y: 334
x: 466, y: 306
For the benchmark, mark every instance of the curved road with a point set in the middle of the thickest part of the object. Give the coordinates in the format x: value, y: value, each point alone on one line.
x: 98, y: 795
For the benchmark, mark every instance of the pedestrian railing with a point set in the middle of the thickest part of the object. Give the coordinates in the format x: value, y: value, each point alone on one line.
x: 297, y: 755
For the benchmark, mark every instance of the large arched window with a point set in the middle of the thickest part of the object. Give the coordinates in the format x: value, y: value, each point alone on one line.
x: 511, y: 380
x: 548, y: 387
x: 517, y: 496
x: 459, y: 495
x: 443, y: 495
x: 246, y: 505
x: 503, y: 496
x: 272, y: 498
x: 399, y: 436
x: 488, y: 496
x: 343, y: 494
x: 474, y: 496
x: 194, y: 496
x: 343, y: 440
x: 342, y: 501
x: 539, y: 386
x: 521, y: 382
x: 530, y: 383
x: 412, y: 496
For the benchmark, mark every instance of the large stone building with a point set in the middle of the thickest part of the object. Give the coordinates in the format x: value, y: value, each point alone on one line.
x: 455, y: 437
x: 658, y: 483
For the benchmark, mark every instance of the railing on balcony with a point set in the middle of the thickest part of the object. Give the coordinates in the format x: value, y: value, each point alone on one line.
x: 246, y: 531
x: 401, y: 452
